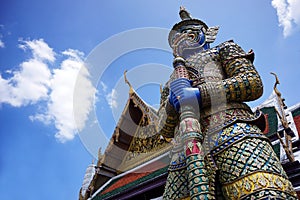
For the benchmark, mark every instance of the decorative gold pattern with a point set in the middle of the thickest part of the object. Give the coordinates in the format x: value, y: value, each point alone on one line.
x: 145, y: 145
x: 239, y: 163
x: 168, y: 120
x: 259, y: 181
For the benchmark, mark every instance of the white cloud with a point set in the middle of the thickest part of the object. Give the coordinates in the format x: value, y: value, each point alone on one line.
x: 103, y: 86
x: 30, y: 83
x: 111, y: 98
x: 85, y: 96
x: 294, y: 9
x: 46, y: 119
x: 288, y: 13
x: 40, y: 49
x: 2, y: 45
x: 60, y: 105
x: 35, y: 82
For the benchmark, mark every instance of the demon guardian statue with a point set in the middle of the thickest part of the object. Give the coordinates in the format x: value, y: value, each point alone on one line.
x: 218, y: 140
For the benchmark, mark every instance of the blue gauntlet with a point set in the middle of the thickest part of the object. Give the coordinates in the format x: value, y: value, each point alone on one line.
x: 182, y: 93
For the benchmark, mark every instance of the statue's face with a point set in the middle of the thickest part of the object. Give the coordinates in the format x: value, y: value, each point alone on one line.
x: 194, y: 33
x: 189, y: 41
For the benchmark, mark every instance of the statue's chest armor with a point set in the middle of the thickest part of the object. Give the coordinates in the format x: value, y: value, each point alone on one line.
x: 205, y: 67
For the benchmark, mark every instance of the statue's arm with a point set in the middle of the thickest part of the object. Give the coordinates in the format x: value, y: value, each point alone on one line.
x: 242, y: 82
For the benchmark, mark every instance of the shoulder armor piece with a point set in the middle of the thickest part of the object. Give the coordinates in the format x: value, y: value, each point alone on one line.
x: 229, y: 50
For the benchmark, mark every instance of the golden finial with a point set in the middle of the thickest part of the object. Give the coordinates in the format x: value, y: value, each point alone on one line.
x: 275, y: 85
x: 126, y: 81
x: 160, y: 88
x: 100, y: 155
x: 287, y: 144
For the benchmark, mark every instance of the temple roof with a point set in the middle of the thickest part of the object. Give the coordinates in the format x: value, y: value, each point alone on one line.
x: 139, y: 177
x: 133, y: 142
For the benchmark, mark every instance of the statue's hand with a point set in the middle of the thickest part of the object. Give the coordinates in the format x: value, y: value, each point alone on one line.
x: 182, y: 93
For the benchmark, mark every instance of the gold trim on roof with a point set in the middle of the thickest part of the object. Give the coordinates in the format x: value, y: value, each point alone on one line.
x: 131, y: 91
x: 145, y: 145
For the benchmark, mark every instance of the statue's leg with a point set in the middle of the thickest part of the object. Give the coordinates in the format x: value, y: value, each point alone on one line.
x: 177, y: 184
x: 249, y: 168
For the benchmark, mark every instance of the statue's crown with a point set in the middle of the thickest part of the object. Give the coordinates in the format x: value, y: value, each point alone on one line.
x: 187, y: 20
x: 184, y: 14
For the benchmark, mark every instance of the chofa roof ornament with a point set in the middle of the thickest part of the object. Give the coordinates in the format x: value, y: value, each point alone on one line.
x: 186, y: 21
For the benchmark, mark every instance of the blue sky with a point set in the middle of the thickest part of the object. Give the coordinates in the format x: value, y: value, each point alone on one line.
x: 44, y: 44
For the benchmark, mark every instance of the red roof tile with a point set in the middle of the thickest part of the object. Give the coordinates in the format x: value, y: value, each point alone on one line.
x: 128, y: 178
x: 267, y: 124
x: 297, y: 123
